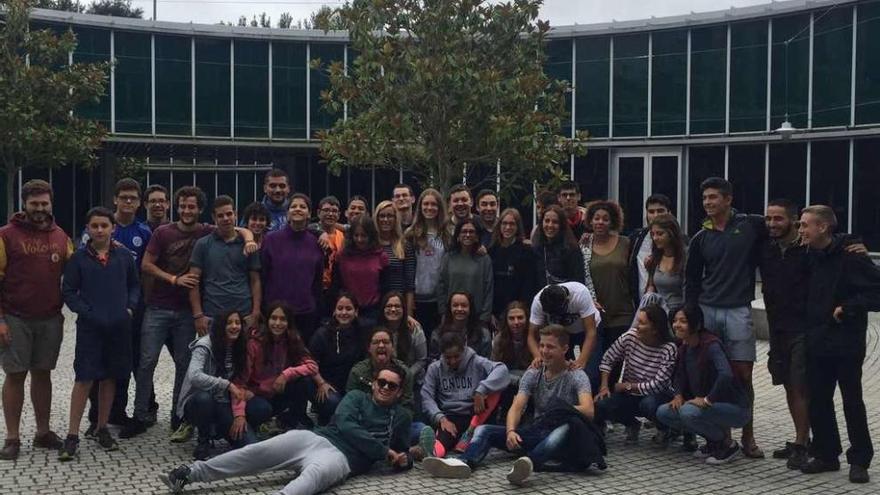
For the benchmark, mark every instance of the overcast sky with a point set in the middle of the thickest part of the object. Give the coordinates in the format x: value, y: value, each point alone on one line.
x: 558, y: 12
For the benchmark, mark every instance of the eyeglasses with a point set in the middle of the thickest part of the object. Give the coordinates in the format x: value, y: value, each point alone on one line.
x: 329, y: 211
x: 380, y: 342
x: 383, y: 383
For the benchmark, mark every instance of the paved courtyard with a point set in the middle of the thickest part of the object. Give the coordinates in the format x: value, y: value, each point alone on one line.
x: 632, y: 469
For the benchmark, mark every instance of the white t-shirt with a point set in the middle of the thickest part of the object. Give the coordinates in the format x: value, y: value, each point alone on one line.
x: 580, y: 305
x: 644, y: 252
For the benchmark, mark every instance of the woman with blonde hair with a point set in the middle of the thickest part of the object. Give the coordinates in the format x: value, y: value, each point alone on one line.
x: 401, y: 272
x: 429, y: 241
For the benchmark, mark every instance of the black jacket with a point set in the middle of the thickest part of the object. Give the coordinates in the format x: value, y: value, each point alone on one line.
x: 785, y: 281
x: 584, y: 445
x: 563, y: 263
x: 514, y: 270
x: 838, y: 278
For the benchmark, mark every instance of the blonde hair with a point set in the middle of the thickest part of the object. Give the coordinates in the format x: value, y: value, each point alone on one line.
x: 825, y: 215
x: 417, y: 233
x: 396, y: 232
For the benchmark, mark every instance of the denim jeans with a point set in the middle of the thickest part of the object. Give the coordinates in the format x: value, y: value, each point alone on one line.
x: 710, y: 423
x: 213, y: 419
x: 158, y: 325
x: 325, y: 409
x: 540, y: 445
x: 624, y: 408
x: 293, y: 399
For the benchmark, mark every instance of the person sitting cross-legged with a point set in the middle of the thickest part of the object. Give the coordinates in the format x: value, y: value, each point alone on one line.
x: 562, y: 429
x: 365, y: 429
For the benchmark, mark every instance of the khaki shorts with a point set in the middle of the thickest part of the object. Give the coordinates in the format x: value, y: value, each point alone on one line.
x: 35, y: 344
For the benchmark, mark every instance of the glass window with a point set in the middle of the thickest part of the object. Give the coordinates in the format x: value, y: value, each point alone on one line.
x: 832, y: 68
x: 866, y: 208
x: 289, y: 90
x: 829, y: 177
x: 789, y: 87
x: 631, y: 85
x: 664, y: 177
x: 173, y: 85
x: 748, y: 76
x: 708, y: 79
x: 558, y: 66
x: 868, y: 64
x: 251, y: 88
x: 592, y: 81
x: 327, y: 53
x: 133, y: 80
x: 207, y: 180
x: 788, y: 172
x: 631, y: 190
x: 87, y: 194
x: 703, y: 163
x: 212, y: 87
x: 250, y: 187
x: 669, y: 80
x: 746, y: 173
x: 93, y: 46
x: 591, y: 173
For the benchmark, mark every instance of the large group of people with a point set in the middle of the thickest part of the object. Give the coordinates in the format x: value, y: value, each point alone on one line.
x: 433, y: 329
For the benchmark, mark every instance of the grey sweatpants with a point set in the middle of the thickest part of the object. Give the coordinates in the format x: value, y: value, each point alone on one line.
x: 320, y: 464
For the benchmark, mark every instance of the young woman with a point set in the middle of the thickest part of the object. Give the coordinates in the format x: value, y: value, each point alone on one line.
x: 708, y: 401
x: 464, y: 269
x: 361, y: 267
x: 336, y: 347
x: 606, y: 256
x: 666, y: 263
x: 647, y: 353
x: 279, y: 369
x: 513, y: 263
x: 429, y: 240
x: 556, y: 250
x: 213, y: 394
x: 510, y: 346
x: 459, y: 316
x: 256, y: 218
x: 401, y: 274
x: 410, y: 345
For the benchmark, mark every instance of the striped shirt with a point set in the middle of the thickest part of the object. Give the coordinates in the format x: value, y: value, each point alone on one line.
x: 401, y: 273
x: 648, y: 368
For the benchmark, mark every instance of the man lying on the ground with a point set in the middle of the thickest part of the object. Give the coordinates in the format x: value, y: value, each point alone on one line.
x: 365, y: 429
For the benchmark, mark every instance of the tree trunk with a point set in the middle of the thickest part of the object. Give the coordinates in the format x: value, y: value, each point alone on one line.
x: 11, y: 176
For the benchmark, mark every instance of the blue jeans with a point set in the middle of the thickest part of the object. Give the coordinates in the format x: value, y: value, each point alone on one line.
x: 711, y: 423
x: 624, y: 408
x: 539, y: 444
x: 213, y: 418
x: 325, y: 409
x: 293, y: 399
x: 158, y: 325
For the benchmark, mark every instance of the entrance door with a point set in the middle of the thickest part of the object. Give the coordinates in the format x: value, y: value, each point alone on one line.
x: 637, y: 174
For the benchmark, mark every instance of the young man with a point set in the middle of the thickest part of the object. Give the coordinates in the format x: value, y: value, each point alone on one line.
x: 365, y: 429
x: 101, y: 286
x: 328, y: 223
x: 571, y: 306
x: 276, y: 189
x: 561, y: 430
x: 487, y: 209
x: 380, y: 355
x: 641, y: 244
x: 157, y: 206
x: 256, y: 218
x: 357, y: 206
x: 569, y: 197
x: 229, y: 279
x: 460, y: 205
x: 843, y: 287
x: 33, y: 252
x: 403, y: 198
x: 720, y: 274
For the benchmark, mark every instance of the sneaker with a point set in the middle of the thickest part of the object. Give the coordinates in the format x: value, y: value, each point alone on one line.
x: 648, y: 424
x: 270, y: 429
x: 106, y: 440
x: 151, y: 419
x: 446, y: 468
x: 133, y: 428
x: 426, y: 441
x: 176, y: 479
x: 520, y: 472
x: 10, y: 449
x: 609, y: 428
x: 632, y: 433
x: 704, y: 452
x: 689, y: 443
x: 464, y: 440
x: 183, y: 433
x: 662, y: 439
x: 816, y: 466
x: 723, y: 455
x: 858, y: 474
x: 784, y: 452
x: 90, y: 432
x: 48, y: 440
x: 202, y: 451
x: 69, y: 448
x: 797, y: 458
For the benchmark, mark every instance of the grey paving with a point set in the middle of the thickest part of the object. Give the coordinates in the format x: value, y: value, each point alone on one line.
x: 632, y: 469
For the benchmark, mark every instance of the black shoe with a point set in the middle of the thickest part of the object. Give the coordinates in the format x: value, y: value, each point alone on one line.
x: 48, y: 440
x: 68, y: 450
x: 797, y: 458
x: 689, y: 442
x: 176, y: 479
x: 784, y: 452
x: 858, y: 474
x: 120, y: 420
x: 816, y: 465
x: 203, y: 450
x: 90, y: 432
x: 134, y: 428
x: 106, y: 440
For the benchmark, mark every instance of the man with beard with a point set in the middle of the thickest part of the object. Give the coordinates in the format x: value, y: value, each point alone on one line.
x: 276, y: 190
x: 487, y: 209
x: 460, y: 205
x: 403, y: 199
x: 33, y: 252
x: 157, y: 206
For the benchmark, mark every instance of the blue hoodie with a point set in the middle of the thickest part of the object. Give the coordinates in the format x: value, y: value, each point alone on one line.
x: 100, y: 292
x: 448, y: 391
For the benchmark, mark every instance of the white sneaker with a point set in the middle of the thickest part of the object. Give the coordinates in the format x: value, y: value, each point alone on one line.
x: 446, y: 468
x: 520, y: 472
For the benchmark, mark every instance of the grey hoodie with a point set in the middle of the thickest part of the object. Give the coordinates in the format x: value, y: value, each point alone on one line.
x: 201, y: 375
x: 448, y: 391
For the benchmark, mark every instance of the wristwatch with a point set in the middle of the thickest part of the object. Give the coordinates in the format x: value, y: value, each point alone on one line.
x: 628, y: 387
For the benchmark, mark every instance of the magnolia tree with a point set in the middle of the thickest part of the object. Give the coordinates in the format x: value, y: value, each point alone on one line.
x: 437, y: 86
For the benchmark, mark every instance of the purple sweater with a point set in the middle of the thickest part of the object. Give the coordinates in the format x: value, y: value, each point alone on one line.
x: 292, y: 267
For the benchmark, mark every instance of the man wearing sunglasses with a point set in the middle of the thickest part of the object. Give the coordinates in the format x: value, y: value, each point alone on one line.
x: 365, y: 429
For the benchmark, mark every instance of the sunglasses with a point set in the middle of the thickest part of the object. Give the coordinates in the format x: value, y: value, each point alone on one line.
x: 383, y: 383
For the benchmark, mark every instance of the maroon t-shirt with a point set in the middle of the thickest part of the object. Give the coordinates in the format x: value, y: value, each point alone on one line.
x: 172, y: 248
